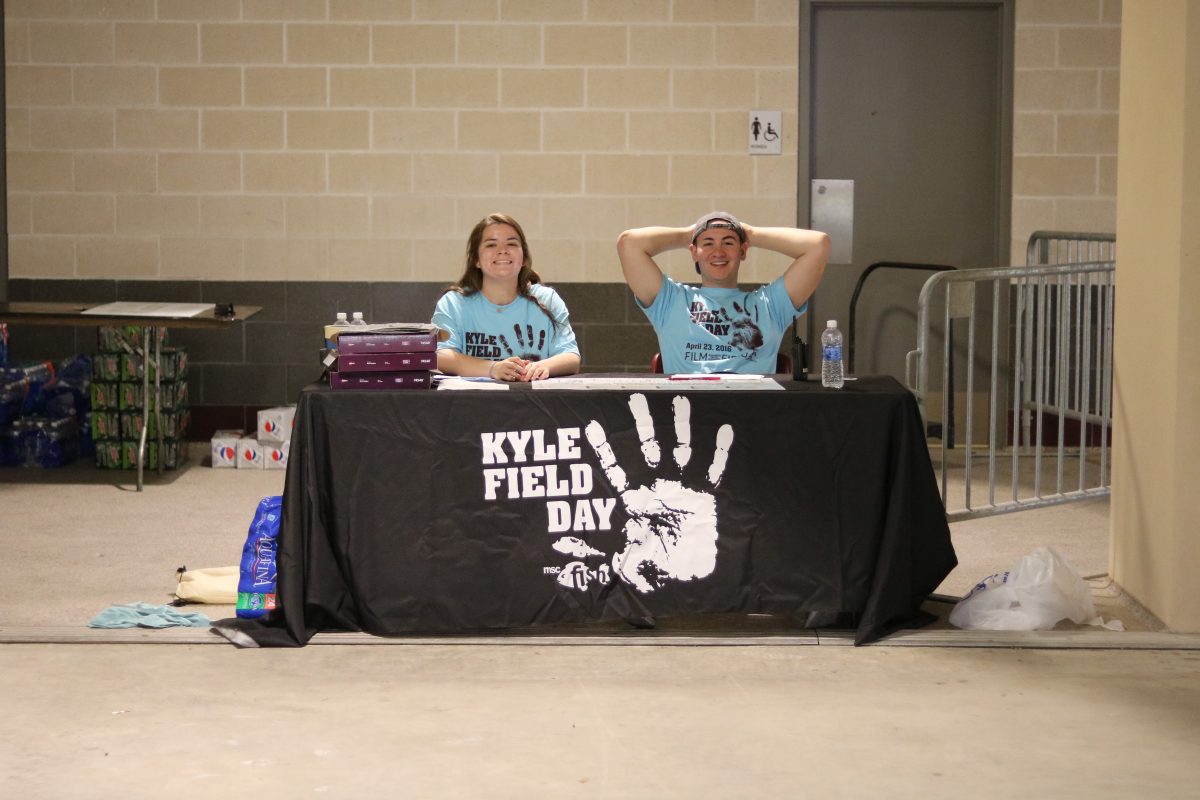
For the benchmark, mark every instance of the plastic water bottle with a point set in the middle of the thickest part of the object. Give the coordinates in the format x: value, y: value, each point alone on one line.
x: 357, y: 319
x: 331, y: 331
x: 833, y: 373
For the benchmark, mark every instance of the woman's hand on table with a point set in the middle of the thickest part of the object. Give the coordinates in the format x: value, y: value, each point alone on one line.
x: 536, y: 371
x: 510, y: 369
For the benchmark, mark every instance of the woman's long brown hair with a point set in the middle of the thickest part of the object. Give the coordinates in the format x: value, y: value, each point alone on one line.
x: 472, y: 277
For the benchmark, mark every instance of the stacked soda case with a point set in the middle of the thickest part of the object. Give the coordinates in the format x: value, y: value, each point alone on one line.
x: 117, y: 401
x: 383, y: 356
x: 44, y: 412
x: 268, y: 448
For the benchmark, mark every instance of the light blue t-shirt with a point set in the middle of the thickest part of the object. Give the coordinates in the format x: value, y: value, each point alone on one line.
x: 705, y: 329
x: 480, y: 328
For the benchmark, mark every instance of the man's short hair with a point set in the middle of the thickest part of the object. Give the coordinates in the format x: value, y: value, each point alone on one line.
x: 721, y: 220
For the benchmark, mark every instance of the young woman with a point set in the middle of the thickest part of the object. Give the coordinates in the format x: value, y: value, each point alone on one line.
x: 498, y: 320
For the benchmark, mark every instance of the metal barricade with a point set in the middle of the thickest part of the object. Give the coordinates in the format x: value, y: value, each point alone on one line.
x: 1047, y: 362
x: 1067, y: 247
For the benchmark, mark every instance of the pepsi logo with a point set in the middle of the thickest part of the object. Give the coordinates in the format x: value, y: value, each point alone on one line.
x: 228, y: 452
x: 276, y: 455
x: 269, y: 426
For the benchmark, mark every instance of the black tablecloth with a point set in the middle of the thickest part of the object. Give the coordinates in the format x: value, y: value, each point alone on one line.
x: 411, y: 512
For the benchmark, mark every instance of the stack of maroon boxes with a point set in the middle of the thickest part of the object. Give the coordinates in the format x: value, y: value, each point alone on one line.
x: 384, y: 359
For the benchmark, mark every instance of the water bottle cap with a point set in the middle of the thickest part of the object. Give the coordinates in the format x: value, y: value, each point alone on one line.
x: 831, y: 323
x: 341, y: 315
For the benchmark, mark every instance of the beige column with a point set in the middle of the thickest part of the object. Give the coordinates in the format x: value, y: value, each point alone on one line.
x: 1156, y: 393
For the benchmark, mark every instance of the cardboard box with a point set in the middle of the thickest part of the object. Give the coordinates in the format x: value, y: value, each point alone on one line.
x: 249, y: 453
x: 175, y: 424
x: 106, y: 396
x: 126, y: 338
x: 379, y: 380
x: 108, y: 454
x: 224, y: 448
x: 350, y: 342
x: 106, y: 425
x: 275, y: 456
x: 173, y: 362
x: 174, y: 395
x: 174, y: 453
x: 275, y: 424
x: 106, y: 367
x: 386, y: 362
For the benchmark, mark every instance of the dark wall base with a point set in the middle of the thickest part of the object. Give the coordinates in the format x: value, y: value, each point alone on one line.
x: 208, y: 419
x: 267, y: 360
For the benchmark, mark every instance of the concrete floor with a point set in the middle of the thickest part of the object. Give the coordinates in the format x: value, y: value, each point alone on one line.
x: 930, y: 714
x: 154, y: 721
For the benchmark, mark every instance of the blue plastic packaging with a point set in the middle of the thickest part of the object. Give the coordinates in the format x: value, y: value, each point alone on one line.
x: 39, y: 442
x: 256, y: 581
x: 43, y: 407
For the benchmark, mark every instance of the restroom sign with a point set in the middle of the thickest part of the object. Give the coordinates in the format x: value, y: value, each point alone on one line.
x: 765, y: 133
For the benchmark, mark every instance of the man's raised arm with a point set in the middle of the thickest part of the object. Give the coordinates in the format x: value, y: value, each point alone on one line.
x: 809, y: 249
x: 637, y: 248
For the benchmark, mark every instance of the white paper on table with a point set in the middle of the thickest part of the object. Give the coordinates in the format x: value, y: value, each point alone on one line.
x: 671, y: 383
x: 134, y: 309
x: 453, y: 383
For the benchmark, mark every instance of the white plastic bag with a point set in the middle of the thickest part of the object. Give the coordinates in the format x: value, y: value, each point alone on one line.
x: 1039, y: 592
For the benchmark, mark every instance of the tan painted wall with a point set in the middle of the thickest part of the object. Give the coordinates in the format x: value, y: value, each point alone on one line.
x: 360, y: 139
x: 1156, y: 396
x: 1065, y: 97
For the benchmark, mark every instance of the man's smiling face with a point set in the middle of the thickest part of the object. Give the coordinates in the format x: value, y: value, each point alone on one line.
x: 719, y: 253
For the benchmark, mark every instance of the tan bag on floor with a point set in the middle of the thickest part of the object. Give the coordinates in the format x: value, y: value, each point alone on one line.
x: 216, y: 585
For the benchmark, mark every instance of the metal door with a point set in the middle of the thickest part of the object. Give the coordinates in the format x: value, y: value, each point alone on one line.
x: 912, y: 102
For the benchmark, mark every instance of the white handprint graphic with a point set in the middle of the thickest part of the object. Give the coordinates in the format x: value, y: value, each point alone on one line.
x: 672, y: 529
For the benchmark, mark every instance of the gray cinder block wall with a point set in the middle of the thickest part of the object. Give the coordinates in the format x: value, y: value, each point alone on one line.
x: 268, y: 359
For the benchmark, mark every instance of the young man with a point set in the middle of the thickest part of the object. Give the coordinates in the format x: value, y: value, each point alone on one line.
x: 717, y: 327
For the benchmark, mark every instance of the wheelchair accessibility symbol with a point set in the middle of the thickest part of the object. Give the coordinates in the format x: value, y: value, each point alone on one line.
x: 765, y: 133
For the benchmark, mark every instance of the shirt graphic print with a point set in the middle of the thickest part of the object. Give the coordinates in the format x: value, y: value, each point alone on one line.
x: 479, y: 328
x: 712, y: 329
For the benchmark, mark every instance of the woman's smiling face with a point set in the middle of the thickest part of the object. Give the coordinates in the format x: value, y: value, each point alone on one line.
x: 500, y: 255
